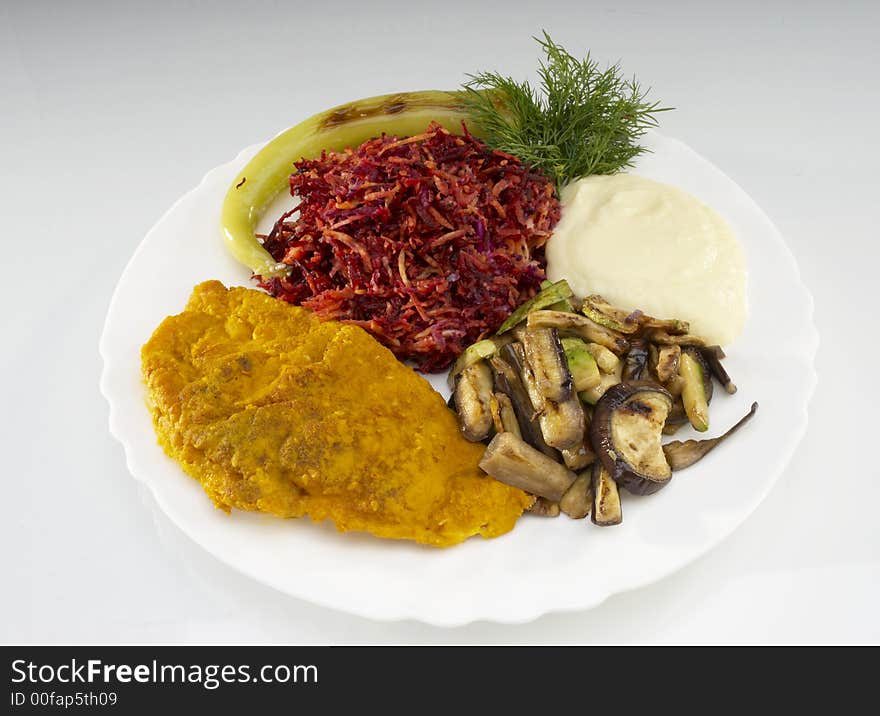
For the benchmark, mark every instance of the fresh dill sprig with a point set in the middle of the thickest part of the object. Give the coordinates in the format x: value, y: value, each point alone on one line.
x: 582, y: 120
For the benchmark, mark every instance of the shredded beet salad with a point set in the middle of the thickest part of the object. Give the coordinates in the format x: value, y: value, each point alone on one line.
x: 427, y: 242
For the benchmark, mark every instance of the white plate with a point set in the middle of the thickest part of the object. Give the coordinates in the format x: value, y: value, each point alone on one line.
x: 542, y: 565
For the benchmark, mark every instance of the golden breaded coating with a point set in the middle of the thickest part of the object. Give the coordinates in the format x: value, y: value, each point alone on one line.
x: 275, y: 411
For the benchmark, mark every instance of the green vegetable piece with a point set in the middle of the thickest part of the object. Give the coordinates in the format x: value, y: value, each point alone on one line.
x: 599, y: 310
x: 564, y: 305
x: 475, y: 352
x: 693, y: 393
x: 554, y: 293
x: 602, y: 319
x: 581, y: 364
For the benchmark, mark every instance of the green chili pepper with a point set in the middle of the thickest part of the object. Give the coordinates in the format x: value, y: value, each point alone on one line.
x: 349, y: 125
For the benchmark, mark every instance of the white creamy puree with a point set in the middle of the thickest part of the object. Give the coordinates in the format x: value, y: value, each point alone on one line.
x: 646, y: 245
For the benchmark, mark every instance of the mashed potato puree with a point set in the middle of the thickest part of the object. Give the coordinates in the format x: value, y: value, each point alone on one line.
x: 643, y: 244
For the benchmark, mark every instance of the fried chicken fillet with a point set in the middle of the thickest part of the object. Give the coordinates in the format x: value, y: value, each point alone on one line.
x: 274, y: 411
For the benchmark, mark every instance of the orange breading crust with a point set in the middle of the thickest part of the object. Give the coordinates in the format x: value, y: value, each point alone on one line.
x: 274, y: 411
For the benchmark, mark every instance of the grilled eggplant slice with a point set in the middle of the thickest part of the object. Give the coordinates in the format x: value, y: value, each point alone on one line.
x: 576, y: 325
x: 605, y: 359
x: 515, y: 355
x: 581, y: 364
x: 472, y: 396
x: 542, y: 507
x: 481, y: 350
x: 580, y: 456
x: 680, y: 454
x: 554, y: 293
x: 606, y: 498
x: 713, y: 356
x: 667, y: 339
x: 515, y: 462
x: 627, y: 425
x: 667, y: 362
x: 508, y: 381
x: 635, y: 366
x: 696, y: 390
x: 544, y: 353
x: 562, y: 423
x: 503, y: 414
x: 578, y: 499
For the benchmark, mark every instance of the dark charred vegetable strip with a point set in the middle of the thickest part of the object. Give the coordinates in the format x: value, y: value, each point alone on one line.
x: 544, y: 353
x: 713, y: 355
x: 514, y: 462
x: 507, y: 381
x: 684, y: 454
x: 515, y: 355
x: 554, y: 293
x: 636, y: 364
x: 607, y: 510
x: 561, y: 423
x: 578, y: 499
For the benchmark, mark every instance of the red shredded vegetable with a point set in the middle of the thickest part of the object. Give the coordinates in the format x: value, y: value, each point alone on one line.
x: 427, y: 242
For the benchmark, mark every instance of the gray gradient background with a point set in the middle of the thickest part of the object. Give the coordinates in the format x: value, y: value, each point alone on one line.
x: 110, y: 111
